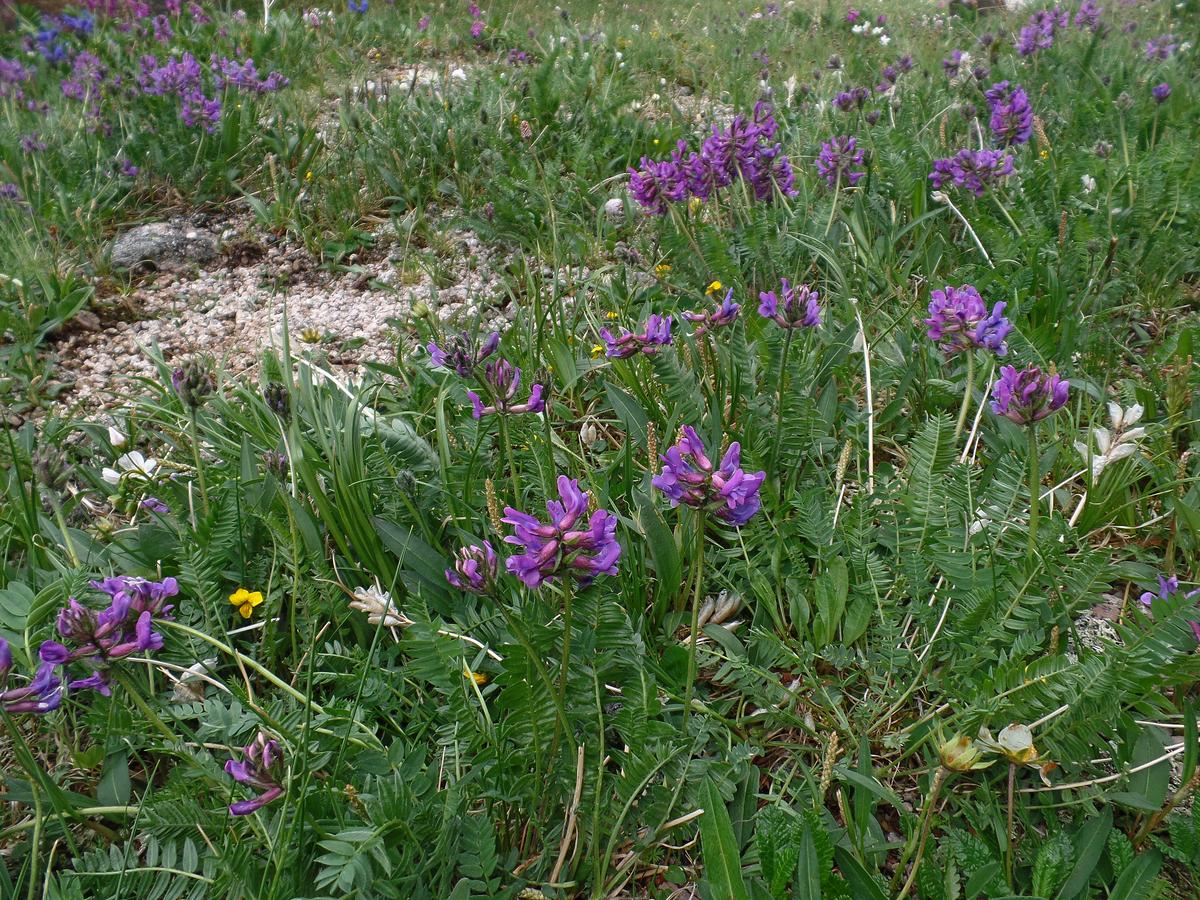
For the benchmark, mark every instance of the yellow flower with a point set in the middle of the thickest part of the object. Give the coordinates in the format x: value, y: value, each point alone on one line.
x: 713, y: 288
x: 597, y: 349
x: 662, y: 269
x: 656, y: 142
x: 245, y: 601
x: 611, y: 315
x: 308, y: 175
x: 477, y: 677
x: 1045, y: 154
x: 694, y: 204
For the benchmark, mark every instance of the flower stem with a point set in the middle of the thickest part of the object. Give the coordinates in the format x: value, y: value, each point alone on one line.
x: 1035, y: 488
x: 837, y: 190
x: 968, y: 390
x: 783, y: 361
x: 538, y: 665
x: 697, y: 596
x: 926, y: 821
x: 566, y: 644
x: 195, y: 434
x: 1008, y: 856
x: 512, y: 462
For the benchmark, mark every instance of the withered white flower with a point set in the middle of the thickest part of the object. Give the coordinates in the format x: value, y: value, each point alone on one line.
x: 379, y: 607
x: 1115, y: 444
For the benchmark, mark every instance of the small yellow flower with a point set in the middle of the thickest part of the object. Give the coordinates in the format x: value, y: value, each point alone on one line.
x: 694, y: 204
x: 597, y: 349
x: 245, y: 601
x: 477, y: 677
x: 611, y: 315
x: 1045, y: 154
x: 713, y: 288
x: 308, y: 175
x: 656, y: 142
x: 662, y: 269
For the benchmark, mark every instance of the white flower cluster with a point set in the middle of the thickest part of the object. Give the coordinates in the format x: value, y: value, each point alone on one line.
x: 1115, y: 444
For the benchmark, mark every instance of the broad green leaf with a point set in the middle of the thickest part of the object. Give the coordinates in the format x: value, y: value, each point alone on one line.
x: 1138, y: 878
x: 722, y: 861
x: 1089, y: 843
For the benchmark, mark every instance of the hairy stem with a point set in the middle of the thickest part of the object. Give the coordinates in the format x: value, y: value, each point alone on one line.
x: 697, y: 597
x: 926, y: 823
x: 968, y: 390
x: 1035, y: 488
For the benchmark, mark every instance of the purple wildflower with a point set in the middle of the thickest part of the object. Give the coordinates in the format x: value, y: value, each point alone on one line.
x: 688, y: 477
x: 1161, y: 92
x: 9, y: 191
x: 559, y: 548
x: 154, y: 505
x: 45, y: 690
x: 1038, y: 33
x: 723, y: 315
x: 126, y: 167
x: 837, y: 159
x: 656, y: 183
x: 959, y: 320
x: 973, y: 170
x: 474, y: 569
x: 951, y: 63
x: 1012, y: 117
x: 654, y: 336
x: 462, y: 355
x: 423, y: 23
x: 1161, y: 47
x: 359, y: 7
x: 1028, y: 396
x: 502, y: 380
x: 1088, y: 15
x: 1167, y: 589
x: 793, y: 307
x: 476, y: 28
x: 261, y: 757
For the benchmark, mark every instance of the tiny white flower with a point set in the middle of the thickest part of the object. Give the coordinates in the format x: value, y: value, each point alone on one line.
x: 458, y: 75
x: 116, y: 438
x: 614, y: 208
x: 1116, y: 444
x: 884, y: 39
x: 1088, y: 182
x: 379, y: 607
x: 133, y: 466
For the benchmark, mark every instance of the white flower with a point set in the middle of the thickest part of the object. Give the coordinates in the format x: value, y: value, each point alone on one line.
x: 1119, y: 443
x: 458, y: 75
x: 614, y: 208
x: 1088, y: 182
x: 116, y: 438
x: 132, y: 466
x: 379, y: 607
x: 884, y: 39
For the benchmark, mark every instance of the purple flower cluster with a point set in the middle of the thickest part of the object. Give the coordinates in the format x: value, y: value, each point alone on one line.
x: 745, y: 150
x: 1088, y: 15
x: 723, y: 315
x: 1167, y: 589
x: 1028, y: 396
x: 837, y: 160
x: 474, y: 569
x: 959, y: 320
x: 1012, y: 117
x: 1161, y: 47
x: 689, y: 477
x: 951, y: 63
x: 259, y: 769
x: 972, y: 170
x: 98, y: 638
x: 792, y: 307
x: 502, y: 380
x: 852, y: 99
x: 1038, y: 34
x: 1160, y: 92
x: 477, y: 24
x: 654, y: 336
x: 183, y: 77
x: 559, y: 548
x: 243, y: 75
x: 463, y: 355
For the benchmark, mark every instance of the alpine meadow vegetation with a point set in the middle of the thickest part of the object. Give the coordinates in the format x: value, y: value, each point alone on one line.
x: 808, y: 505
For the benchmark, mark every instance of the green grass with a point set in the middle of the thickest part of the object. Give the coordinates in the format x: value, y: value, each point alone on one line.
x: 885, y: 608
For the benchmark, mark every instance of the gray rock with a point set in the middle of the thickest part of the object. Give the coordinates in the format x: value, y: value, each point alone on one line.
x: 163, y: 246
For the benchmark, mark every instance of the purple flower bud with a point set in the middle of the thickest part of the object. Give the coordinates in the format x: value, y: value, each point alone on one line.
x: 257, y: 770
x: 502, y: 380
x: 724, y: 315
x: 1161, y: 92
x: 1028, y: 396
x: 462, y: 355
x: 793, y: 307
x: 474, y: 569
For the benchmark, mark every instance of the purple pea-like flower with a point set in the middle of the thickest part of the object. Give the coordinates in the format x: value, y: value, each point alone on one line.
x: 654, y: 336
x: 423, y: 23
x: 502, y: 380
x: 43, y: 694
x: 559, y: 548
x: 462, y: 355
x: 837, y: 160
x: 1160, y: 92
x: 792, y: 307
x: 1012, y: 117
x: 1168, y: 587
x: 689, y: 477
x: 725, y: 314
x: 959, y: 320
x: 1028, y: 396
x: 154, y: 505
x: 263, y: 759
x: 656, y: 184
x: 1088, y: 15
x: 972, y: 170
x: 1161, y: 48
x: 474, y: 569
x: 951, y: 63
